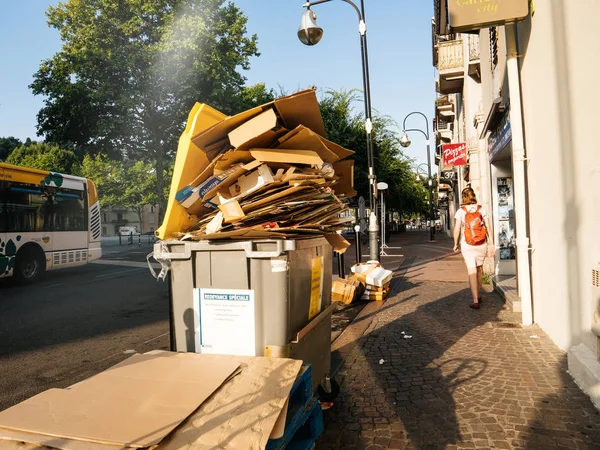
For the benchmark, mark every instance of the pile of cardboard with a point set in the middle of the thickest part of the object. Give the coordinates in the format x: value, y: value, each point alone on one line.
x: 160, y: 400
x: 369, y: 281
x: 267, y: 172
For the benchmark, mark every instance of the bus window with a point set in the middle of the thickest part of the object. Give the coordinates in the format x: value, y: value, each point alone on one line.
x: 69, y: 211
x: 27, y: 209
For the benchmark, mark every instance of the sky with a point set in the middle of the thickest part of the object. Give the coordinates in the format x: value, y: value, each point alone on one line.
x: 399, y: 49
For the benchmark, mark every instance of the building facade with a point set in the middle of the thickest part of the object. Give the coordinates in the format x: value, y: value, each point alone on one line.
x: 523, y: 95
x: 114, y: 217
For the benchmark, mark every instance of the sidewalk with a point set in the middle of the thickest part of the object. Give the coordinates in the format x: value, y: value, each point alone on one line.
x: 429, y: 372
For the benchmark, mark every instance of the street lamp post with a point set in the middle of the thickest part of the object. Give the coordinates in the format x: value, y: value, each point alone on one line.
x: 310, y: 33
x: 405, y: 142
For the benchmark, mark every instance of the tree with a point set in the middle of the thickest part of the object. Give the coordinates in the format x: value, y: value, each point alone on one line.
x: 45, y: 157
x: 346, y: 127
x: 252, y: 96
x: 139, y: 188
x: 7, y: 145
x: 130, y: 71
x: 108, y: 175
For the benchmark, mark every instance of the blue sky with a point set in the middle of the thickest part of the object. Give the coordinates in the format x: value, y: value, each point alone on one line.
x: 399, y: 40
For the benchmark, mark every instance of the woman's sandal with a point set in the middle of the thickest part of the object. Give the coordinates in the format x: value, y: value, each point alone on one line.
x: 474, y: 305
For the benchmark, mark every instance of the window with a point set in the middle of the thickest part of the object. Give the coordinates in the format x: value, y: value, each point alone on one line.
x: 152, y: 209
x: 27, y: 209
x: 69, y: 211
x: 31, y: 208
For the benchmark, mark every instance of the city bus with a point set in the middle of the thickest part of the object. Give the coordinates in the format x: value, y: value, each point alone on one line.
x: 48, y: 221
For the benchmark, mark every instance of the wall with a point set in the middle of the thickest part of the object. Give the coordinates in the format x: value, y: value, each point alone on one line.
x: 560, y: 66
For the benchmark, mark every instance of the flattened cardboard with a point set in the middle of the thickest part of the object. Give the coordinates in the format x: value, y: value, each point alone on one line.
x: 287, y: 156
x: 265, y: 121
x: 301, y: 108
x: 345, y: 185
x: 301, y: 138
x: 241, y: 414
x: 136, y: 403
x: 43, y: 442
x: 337, y: 242
x: 340, y: 151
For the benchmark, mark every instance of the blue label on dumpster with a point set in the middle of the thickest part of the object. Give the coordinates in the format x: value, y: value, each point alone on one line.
x: 224, y: 321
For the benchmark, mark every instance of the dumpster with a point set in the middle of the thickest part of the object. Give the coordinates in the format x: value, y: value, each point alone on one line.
x: 252, y: 297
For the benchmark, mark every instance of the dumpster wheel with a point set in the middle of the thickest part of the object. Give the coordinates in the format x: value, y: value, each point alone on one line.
x: 328, y: 390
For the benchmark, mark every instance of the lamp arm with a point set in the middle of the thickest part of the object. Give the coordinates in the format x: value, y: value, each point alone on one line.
x: 426, y: 122
x: 318, y: 2
x: 421, y: 131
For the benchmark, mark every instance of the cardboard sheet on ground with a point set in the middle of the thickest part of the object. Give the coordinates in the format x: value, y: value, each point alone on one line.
x: 135, y: 403
x: 20, y: 440
x: 242, y: 414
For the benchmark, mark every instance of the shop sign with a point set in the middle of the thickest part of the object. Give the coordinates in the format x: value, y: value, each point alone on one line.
x: 455, y: 154
x: 501, y: 136
x: 469, y: 15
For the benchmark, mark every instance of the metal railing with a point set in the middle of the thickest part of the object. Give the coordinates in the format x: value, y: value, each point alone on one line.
x: 450, y: 55
x: 474, y: 49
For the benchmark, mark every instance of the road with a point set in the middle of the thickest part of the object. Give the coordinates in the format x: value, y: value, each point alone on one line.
x: 80, y: 321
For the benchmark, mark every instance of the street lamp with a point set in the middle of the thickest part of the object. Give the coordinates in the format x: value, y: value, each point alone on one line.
x: 310, y: 33
x: 405, y: 142
x: 418, y: 169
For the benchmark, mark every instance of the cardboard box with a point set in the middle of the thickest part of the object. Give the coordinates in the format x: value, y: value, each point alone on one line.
x: 372, y: 274
x: 345, y: 291
x: 252, y: 181
x: 253, y: 128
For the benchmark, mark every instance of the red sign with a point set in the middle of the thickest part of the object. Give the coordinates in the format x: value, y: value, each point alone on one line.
x: 455, y: 154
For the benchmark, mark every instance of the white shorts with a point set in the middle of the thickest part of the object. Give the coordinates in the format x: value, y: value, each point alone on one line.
x: 474, y: 255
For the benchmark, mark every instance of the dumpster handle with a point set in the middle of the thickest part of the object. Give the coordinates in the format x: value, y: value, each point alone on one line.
x: 251, y: 253
x: 313, y: 323
x: 161, y: 254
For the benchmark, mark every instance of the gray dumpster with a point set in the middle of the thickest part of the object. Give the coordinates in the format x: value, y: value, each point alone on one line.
x: 252, y: 297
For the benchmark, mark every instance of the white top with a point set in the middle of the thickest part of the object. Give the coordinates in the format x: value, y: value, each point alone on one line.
x: 460, y: 217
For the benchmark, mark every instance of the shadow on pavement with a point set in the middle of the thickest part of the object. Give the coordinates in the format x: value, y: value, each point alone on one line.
x: 399, y: 382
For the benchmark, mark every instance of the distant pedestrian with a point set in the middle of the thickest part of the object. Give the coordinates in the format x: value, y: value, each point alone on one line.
x: 476, y: 240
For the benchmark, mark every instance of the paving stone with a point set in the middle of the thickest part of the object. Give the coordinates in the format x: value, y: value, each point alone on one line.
x: 458, y: 382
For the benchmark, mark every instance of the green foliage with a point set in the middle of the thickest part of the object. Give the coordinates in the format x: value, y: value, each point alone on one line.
x: 252, y: 96
x: 130, y: 186
x: 139, y: 187
x: 45, y: 157
x: 7, y: 145
x: 345, y: 126
x: 130, y: 71
x: 108, y: 175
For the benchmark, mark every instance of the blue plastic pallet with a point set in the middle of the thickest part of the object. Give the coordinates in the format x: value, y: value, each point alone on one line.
x: 297, y: 414
x: 309, y: 432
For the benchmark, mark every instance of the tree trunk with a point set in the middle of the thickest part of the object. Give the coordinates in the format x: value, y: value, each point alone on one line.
x: 160, y: 185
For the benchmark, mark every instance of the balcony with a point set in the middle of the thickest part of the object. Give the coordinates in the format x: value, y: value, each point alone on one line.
x: 451, y: 65
x: 444, y: 108
x: 474, y: 60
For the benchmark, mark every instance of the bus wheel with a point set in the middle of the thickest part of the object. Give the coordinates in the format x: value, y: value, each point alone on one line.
x: 30, y: 265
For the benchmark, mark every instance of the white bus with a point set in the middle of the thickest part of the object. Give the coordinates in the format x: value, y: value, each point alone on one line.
x: 47, y: 221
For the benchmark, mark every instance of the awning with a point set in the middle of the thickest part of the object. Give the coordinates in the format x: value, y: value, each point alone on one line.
x: 493, y: 116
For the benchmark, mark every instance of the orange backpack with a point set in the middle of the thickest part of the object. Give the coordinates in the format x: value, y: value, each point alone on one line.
x: 475, y: 230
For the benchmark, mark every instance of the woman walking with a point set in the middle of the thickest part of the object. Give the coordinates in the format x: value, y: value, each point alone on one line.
x: 476, y: 242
